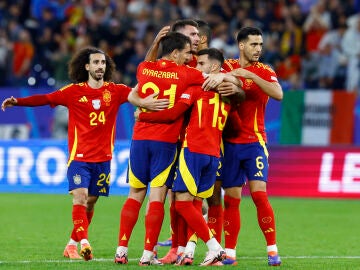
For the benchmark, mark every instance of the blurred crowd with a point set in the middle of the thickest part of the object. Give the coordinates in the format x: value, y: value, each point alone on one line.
x: 310, y: 43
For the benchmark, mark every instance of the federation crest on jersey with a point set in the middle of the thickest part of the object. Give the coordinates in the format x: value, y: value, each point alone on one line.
x: 248, y: 83
x: 77, y: 179
x: 107, y: 97
x: 96, y: 103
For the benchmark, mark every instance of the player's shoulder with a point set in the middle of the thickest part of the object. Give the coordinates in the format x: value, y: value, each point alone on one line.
x: 230, y: 64
x: 69, y: 86
x: 115, y: 86
x: 263, y: 66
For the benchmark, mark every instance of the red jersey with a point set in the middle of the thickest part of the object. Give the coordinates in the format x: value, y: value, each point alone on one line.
x: 207, y: 119
x: 92, y: 118
x: 192, y: 62
x: 252, y: 109
x: 170, y: 81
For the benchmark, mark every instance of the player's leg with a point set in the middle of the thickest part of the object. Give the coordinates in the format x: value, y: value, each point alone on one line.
x: 163, y: 157
x: 215, y: 212
x: 195, y: 178
x: 138, y: 178
x: 266, y: 219
x: 232, y: 222
x: 257, y: 174
x: 195, y: 220
x: 81, y: 177
x: 233, y: 178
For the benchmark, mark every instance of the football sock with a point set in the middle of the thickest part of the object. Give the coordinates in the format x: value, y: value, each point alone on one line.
x: 190, y: 247
x: 153, y: 223
x: 174, y: 225
x: 212, y: 244
x: 182, y: 231
x: 231, y: 221
x: 265, y: 215
x: 272, y: 250
x: 230, y: 252
x: 80, y: 222
x: 216, y: 220
x: 194, y: 219
x: 191, y: 236
x: 72, y: 242
x: 128, y: 217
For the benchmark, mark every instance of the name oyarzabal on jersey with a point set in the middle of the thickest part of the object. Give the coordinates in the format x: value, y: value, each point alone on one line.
x: 169, y: 80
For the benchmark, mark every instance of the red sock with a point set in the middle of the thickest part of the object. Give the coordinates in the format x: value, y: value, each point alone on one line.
x: 128, y: 217
x: 174, y: 225
x: 153, y: 223
x: 194, y: 219
x: 231, y: 221
x: 198, y: 206
x: 265, y: 215
x: 182, y: 232
x: 89, y: 216
x: 80, y: 222
x: 216, y: 220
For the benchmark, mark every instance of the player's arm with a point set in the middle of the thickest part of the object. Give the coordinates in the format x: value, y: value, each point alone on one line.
x: 152, y: 53
x: 150, y: 102
x: 31, y: 101
x: 272, y: 89
x: 214, y: 80
x: 165, y: 116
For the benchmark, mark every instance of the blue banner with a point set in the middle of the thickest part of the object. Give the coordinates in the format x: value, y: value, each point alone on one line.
x: 40, y: 166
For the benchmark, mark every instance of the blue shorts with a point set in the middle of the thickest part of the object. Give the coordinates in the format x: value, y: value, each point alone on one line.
x: 95, y: 176
x: 244, y: 161
x: 196, y: 174
x: 151, y: 162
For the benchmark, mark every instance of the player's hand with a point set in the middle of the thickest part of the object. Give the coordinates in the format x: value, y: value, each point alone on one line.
x: 162, y: 33
x: 226, y: 89
x: 212, y: 81
x: 9, y: 102
x: 240, y: 72
x: 136, y: 114
x: 153, y: 104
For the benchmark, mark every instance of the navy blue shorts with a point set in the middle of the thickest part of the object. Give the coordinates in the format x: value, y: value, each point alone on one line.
x: 151, y: 162
x: 196, y: 174
x: 244, y: 162
x: 95, y: 176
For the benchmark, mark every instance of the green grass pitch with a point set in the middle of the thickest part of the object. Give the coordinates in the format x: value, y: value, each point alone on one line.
x: 312, y: 234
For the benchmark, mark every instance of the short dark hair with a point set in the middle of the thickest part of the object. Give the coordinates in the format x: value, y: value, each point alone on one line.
x: 78, y: 73
x: 173, y: 41
x: 246, y: 31
x: 213, y: 54
x: 204, y: 30
x: 182, y: 23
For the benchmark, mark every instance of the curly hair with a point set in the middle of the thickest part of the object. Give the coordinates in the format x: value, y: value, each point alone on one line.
x: 78, y: 73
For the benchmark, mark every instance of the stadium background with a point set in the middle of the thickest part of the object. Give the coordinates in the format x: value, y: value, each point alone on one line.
x: 314, y: 133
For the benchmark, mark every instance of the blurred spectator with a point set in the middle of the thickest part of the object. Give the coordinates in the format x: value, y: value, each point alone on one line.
x: 296, y: 26
x: 5, y: 58
x: 291, y: 40
x: 135, y: 60
x: 23, y: 50
x: 315, y: 26
x: 309, y: 70
x: 351, y: 48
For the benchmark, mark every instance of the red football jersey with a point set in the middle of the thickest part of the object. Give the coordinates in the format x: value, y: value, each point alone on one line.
x: 170, y: 81
x: 207, y: 120
x: 192, y: 62
x: 252, y: 110
x: 92, y: 118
